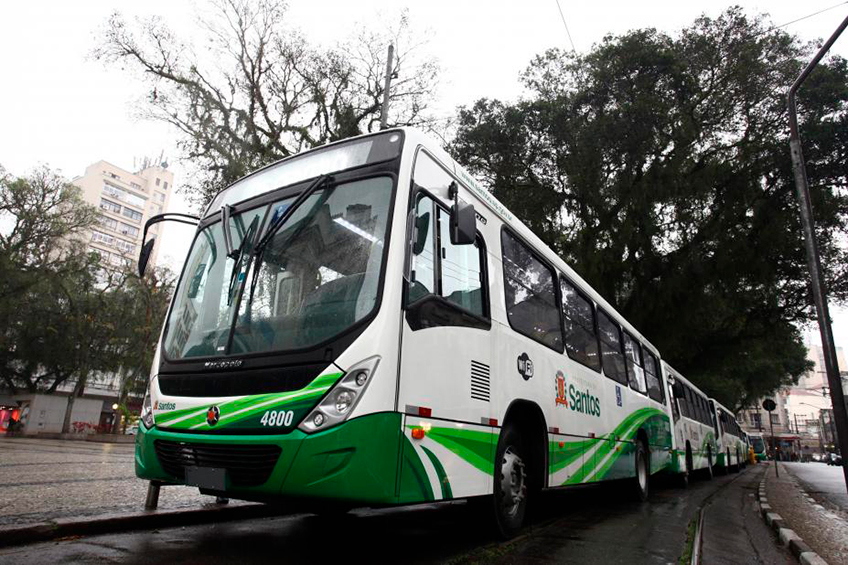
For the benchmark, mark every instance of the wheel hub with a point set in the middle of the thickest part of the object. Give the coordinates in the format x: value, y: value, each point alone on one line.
x: 513, y: 481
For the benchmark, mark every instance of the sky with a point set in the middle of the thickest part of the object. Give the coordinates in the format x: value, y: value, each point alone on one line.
x: 64, y: 109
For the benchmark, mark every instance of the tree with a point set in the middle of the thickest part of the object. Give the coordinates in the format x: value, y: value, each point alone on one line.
x: 264, y: 92
x: 659, y: 168
x: 40, y: 246
x: 65, y: 318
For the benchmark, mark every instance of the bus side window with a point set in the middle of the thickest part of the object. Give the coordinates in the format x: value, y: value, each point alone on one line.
x: 423, y: 279
x: 581, y: 340
x: 633, y: 356
x: 611, y: 350
x: 655, y: 391
x: 530, y: 294
x: 462, y: 275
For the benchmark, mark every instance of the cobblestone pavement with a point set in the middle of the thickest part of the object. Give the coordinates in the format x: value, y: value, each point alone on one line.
x: 41, y: 480
x: 825, y: 530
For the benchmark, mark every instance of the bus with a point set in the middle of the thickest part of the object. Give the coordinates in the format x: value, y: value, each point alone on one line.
x: 758, y: 445
x: 694, y: 434
x: 362, y: 324
x: 732, y: 452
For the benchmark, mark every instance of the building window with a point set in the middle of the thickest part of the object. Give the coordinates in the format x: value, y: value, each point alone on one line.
x: 110, y: 206
x: 160, y: 197
x: 529, y: 287
x: 127, y: 229
x: 124, y: 246
x: 775, y: 418
x: 132, y: 214
x: 157, y: 181
x: 123, y: 195
x: 165, y: 185
x: 110, y: 223
x: 135, y: 185
x: 102, y: 238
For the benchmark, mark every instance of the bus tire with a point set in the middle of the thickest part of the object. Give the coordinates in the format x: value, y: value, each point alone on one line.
x: 708, y: 472
x: 510, y: 488
x: 642, y: 480
x: 683, y: 481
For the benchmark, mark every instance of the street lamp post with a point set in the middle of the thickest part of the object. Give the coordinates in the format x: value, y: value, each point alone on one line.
x: 813, y: 260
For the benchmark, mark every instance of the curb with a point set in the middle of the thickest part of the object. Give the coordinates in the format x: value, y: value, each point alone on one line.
x: 114, y: 523
x: 787, y: 536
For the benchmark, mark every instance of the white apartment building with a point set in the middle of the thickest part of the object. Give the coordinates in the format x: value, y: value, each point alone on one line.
x: 126, y: 201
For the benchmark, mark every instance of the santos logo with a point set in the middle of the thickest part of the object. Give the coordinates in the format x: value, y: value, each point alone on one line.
x: 579, y: 401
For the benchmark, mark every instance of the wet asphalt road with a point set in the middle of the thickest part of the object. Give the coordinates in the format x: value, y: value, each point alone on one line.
x: 821, y: 481
x: 587, y: 525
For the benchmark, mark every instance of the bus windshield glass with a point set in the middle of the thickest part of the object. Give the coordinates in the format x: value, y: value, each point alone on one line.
x: 365, y: 151
x: 319, y: 274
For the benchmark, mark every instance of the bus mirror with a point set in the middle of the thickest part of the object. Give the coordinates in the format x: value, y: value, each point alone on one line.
x: 422, y: 227
x: 144, y: 256
x: 463, y: 223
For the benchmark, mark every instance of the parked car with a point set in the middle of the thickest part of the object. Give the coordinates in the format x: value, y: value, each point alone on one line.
x: 834, y: 459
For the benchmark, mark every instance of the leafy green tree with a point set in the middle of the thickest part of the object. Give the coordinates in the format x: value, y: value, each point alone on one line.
x: 260, y: 91
x: 658, y: 166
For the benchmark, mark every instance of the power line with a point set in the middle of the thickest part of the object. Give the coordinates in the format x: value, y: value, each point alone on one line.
x: 561, y: 15
x: 802, y: 18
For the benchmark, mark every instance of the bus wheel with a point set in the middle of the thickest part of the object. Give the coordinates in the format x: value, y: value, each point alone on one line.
x: 510, y: 488
x: 708, y: 472
x: 684, y: 477
x: 643, y: 472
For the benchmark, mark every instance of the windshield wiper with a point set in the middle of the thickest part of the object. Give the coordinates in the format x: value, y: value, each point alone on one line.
x: 238, y: 254
x: 259, y: 249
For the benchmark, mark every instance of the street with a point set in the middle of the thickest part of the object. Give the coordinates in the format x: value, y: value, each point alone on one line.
x: 822, y: 482
x: 586, y: 525
x: 42, y: 480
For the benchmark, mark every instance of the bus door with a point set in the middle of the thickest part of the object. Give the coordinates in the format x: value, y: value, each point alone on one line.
x: 446, y: 351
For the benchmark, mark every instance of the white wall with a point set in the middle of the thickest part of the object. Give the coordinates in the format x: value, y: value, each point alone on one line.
x: 47, y: 412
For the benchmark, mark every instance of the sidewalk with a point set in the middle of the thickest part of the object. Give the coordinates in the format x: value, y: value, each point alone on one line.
x: 734, y: 532
x: 824, y: 530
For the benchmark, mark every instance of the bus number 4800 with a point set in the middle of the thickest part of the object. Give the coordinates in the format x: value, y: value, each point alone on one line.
x: 277, y: 418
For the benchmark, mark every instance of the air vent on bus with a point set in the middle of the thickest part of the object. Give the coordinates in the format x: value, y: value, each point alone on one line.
x: 479, y: 381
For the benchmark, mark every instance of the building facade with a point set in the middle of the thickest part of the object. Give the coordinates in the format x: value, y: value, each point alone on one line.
x: 125, y: 201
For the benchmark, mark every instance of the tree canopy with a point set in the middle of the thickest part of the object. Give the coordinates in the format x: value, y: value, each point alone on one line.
x: 658, y: 166
x: 64, y: 318
x: 254, y: 90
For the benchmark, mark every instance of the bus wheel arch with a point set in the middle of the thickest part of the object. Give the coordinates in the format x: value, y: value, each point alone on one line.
x: 520, y: 459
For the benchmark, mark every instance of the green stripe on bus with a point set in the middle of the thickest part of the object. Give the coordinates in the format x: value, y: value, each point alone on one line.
x: 475, y: 447
x: 440, y: 471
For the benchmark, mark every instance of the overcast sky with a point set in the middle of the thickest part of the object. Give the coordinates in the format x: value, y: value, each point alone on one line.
x: 61, y: 108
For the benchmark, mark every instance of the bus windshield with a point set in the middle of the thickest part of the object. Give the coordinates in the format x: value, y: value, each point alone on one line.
x: 758, y: 444
x: 320, y: 273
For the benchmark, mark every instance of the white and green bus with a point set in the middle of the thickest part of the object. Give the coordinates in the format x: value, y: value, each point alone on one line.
x: 732, y: 449
x: 362, y: 324
x: 695, y: 444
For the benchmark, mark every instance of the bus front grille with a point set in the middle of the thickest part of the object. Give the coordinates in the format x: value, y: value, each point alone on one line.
x: 246, y: 465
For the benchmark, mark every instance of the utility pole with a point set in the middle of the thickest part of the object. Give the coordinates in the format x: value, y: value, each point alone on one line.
x: 813, y: 260
x: 384, y: 114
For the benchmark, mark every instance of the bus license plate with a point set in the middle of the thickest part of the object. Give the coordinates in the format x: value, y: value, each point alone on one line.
x: 206, y: 477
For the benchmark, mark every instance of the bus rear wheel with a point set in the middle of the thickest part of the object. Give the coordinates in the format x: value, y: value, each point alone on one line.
x: 708, y: 472
x: 510, y: 496
x: 643, y: 473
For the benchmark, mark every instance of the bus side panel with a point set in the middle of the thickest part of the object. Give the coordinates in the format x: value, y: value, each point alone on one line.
x: 451, y: 460
x: 567, y: 457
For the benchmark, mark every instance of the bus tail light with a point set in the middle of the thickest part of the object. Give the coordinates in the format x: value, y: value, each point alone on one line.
x: 418, y: 433
x: 338, y: 404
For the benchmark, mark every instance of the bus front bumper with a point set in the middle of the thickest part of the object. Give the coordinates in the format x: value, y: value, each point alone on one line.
x: 356, y: 461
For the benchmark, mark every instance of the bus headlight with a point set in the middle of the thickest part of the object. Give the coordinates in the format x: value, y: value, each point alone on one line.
x: 338, y: 404
x: 147, y: 410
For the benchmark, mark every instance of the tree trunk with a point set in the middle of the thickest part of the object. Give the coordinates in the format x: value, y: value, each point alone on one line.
x: 78, y: 390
